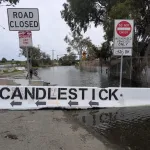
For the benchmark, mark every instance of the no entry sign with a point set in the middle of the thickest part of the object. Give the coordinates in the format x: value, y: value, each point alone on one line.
x: 25, y: 38
x: 123, y: 33
x: 124, y: 28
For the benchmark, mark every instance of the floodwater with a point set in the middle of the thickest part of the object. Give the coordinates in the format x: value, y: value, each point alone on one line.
x: 70, y: 76
x: 128, y: 128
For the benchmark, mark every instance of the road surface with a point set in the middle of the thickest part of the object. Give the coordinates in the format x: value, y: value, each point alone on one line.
x: 44, y: 130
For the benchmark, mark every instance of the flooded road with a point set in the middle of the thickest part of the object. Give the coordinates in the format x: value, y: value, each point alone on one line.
x: 70, y: 76
x: 128, y: 128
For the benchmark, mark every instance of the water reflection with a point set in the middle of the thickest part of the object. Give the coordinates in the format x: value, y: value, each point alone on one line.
x: 70, y: 76
x: 127, y: 127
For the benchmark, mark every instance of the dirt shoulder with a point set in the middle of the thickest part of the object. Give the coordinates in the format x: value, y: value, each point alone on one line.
x: 44, y: 130
x: 10, y: 74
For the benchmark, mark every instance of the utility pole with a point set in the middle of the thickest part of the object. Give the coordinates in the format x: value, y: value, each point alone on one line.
x: 53, y: 56
x: 57, y: 60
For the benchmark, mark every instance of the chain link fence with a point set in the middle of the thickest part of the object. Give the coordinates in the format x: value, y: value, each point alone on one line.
x: 93, y: 65
x: 136, y: 69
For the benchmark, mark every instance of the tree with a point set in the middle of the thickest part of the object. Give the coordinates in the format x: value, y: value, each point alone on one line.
x: 140, y: 12
x: 4, y: 60
x: 36, y: 56
x: 72, y: 58
x: 128, y: 9
x: 79, y: 44
x: 68, y: 60
x: 69, y: 49
x: 12, y: 61
x: 45, y: 58
x: 10, y: 1
x: 79, y: 14
x: 33, y: 52
x: 91, y: 49
x: 74, y: 43
x: 105, y: 51
x: 18, y: 63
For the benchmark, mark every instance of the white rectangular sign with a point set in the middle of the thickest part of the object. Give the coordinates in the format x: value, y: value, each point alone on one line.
x: 25, y: 38
x: 33, y: 97
x: 23, y: 19
x: 123, y: 33
x: 123, y: 52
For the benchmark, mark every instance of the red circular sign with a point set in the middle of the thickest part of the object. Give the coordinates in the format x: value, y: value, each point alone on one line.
x: 124, y: 28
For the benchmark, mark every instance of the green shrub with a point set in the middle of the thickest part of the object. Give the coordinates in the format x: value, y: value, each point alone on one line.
x: 5, y: 71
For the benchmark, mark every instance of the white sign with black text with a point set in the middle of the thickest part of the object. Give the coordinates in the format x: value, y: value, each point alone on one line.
x: 28, y: 97
x: 124, y: 52
x: 25, y: 38
x: 123, y: 33
x: 23, y: 19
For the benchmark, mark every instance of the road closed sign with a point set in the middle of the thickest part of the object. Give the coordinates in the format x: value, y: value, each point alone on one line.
x: 123, y: 33
x: 23, y: 19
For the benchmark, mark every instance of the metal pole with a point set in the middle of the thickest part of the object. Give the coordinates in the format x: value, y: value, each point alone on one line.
x: 57, y: 61
x: 80, y: 58
x: 101, y: 64
x: 121, y: 65
x: 147, y: 70
x: 53, y: 57
x: 131, y: 69
x: 52, y: 54
x: 28, y: 64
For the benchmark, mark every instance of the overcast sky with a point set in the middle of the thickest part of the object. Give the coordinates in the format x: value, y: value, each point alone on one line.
x: 53, y: 29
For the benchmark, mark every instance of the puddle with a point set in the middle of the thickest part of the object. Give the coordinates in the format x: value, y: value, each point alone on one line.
x: 128, y: 128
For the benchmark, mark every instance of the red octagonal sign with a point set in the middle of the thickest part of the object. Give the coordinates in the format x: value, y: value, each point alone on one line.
x: 124, y: 28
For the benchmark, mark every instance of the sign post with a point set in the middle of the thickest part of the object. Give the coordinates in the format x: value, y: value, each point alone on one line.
x: 24, y: 20
x: 28, y: 64
x: 123, y: 41
x: 121, y: 65
x: 25, y: 40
